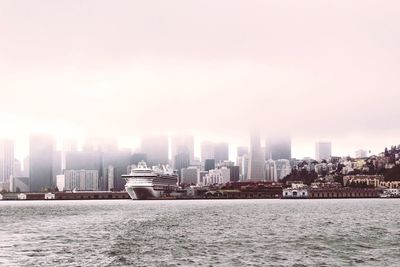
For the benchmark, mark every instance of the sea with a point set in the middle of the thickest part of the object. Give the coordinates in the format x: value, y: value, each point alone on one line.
x: 325, y: 232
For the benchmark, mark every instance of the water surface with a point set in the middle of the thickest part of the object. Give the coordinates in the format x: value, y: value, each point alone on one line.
x: 340, y: 232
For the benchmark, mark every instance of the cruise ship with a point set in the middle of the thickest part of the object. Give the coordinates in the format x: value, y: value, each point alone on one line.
x: 149, y: 183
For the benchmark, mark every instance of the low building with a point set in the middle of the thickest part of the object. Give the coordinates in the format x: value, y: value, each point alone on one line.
x: 391, y: 184
x: 344, y: 192
x: 368, y: 180
x: 49, y: 196
x: 19, y: 184
x: 295, y: 193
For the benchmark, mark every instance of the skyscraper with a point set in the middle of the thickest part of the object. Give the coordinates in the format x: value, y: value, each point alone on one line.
x: 270, y: 171
x: 181, y: 161
x: 323, y: 151
x: 207, y: 151
x: 242, y: 150
x: 156, y: 149
x: 182, y: 144
x: 41, y: 149
x: 256, y: 159
x: 278, y: 147
x: 221, y: 152
x: 6, y: 159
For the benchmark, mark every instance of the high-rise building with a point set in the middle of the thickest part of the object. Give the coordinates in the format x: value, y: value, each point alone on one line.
x: 221, y: 152
x: 243, y: 163
x: 41, y: 149
x: 209, y: 164
x: 271, y: 171
x: 207, y: 151
x: 190, y: 175
x: 25, y: 171
x: 242, y: 150
x: 234, y: 173
x: 256, y: 159
x: 17, y: 170
x: 6, y: 159
x: 283, y: 168
x: 182, y: 144
x: 278, y: 147
x: 56, y: 166
x: 156, y: 149
x: 119, y: 161
x: 181, y: 161
x: 82, y: 180
x: 323, y: 151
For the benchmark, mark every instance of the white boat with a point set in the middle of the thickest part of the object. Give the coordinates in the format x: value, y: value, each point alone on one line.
x: 150, y: 183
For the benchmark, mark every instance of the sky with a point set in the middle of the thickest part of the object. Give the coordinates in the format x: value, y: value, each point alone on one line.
x: 317, y: 70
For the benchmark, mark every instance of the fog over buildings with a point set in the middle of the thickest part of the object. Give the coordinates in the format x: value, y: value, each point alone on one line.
x: 317, y: 70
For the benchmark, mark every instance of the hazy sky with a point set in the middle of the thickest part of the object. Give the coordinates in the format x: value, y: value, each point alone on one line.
x: 321, y: 70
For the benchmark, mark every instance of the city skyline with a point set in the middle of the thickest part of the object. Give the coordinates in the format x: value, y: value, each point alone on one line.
x: 299, y: 149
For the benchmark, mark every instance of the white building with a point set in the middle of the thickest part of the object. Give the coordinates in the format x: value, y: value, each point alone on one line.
x: 49, y: 196
x: 81, y: 180
x: 297, y: 190
x: 217, y: 176
x: 323, y: 151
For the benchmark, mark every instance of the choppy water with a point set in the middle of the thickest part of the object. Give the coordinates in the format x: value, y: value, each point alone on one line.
x: 363, y: 232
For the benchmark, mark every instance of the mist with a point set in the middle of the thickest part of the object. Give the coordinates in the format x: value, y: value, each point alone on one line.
x: 216, y: 69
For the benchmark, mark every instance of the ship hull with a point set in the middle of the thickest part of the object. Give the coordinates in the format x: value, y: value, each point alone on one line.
x: 147, y: 192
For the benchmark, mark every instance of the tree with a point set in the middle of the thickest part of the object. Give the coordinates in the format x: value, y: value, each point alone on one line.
x: 17, y: 190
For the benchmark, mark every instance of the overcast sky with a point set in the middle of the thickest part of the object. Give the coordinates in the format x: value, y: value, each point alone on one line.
x: 320, y: 70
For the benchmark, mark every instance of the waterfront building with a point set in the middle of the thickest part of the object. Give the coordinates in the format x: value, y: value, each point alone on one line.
x: 256, y: 160
x: 156, y: 148
x: 278, y: 147
x: 6, y: 159
x: 80, y: 180
x: 323, y: 151
x: 41, y: 148
x: 221, y: 152
x: 190, y: 175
